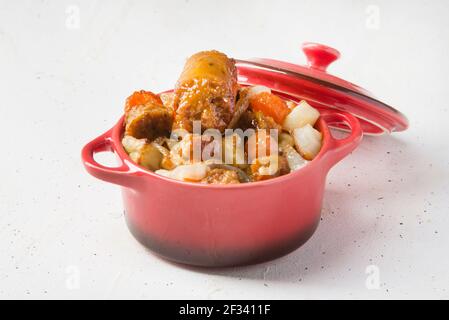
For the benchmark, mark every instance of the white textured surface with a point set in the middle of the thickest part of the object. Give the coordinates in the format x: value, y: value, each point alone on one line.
x: 386, y: 205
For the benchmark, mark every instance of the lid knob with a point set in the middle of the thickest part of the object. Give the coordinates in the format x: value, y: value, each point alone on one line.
x: 319, y: 56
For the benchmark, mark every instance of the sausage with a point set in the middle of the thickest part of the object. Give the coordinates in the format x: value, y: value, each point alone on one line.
x: 257, y: 120
x: 146, y: 117
x: 221, y: 176
x: 206, y: 91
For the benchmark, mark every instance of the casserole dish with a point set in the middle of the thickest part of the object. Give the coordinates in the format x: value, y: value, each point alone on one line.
x: 218, y: 226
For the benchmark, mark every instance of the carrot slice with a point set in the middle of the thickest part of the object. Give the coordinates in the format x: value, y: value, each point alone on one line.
x: 141, y: 97
x: 270, y: 105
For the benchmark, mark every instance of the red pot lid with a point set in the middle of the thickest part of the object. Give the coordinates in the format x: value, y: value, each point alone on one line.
x: 321, y: 89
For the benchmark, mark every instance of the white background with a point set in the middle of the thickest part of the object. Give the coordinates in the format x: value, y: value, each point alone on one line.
x: 62, y: 233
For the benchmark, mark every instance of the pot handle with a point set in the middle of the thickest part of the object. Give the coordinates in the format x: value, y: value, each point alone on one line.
x: 122, y: 175
x: 340, y: 148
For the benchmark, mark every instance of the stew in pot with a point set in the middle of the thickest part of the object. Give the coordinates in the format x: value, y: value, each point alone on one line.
x: 212, y: 130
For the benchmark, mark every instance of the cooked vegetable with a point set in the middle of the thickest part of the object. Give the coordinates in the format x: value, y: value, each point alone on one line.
x: 255, y: 90
x: 261, y: 144
x: 143, y: 153
x: 270, y: 105
x: 142, y: 97
x: 291, y: 105
x: 285, y: 139
x: 294, y: 159
x: 190, y: 173
x: 308, y: 141
x: 183, y: 150
x: 234, y: 150
x: 256, y: 120
x: 262, y: 121
x: 168, y: 161
x: 206, y: 91
x: 287, y: 148
x: 301, y: 115
x: 268, y: 167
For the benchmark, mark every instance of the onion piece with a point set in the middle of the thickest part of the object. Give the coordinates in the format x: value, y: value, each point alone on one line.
x: 301, y: 115
x: 294, y: 159
x: 163, y: 172
x: 171, y: 142
x: 143, y: 153
x: 255, y: 90
x: 161, y: 148
x: 233, y: 148
x: 190, y: 172
x: 285, y: 140
x: 308, y: 141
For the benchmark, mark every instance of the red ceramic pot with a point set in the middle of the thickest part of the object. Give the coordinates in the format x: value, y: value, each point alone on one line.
x: 208, y: 225
x: 215, y: 226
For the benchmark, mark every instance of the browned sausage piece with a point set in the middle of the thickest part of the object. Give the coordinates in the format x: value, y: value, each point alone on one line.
x: 221, y: 176
x: 146, y: 117
x: 256, y: 120
x: 206, y: 91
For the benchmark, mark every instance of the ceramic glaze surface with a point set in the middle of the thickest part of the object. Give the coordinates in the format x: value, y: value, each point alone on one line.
x: 219, y: 226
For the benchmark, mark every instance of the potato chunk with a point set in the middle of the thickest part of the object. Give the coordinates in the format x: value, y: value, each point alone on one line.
x: 268, y: 167
x: 285, y: 139
x: 307, y: 141
x: 143, y: 153
x: 189, y: 173
x: 301, y: 115
x: 294, y: 159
